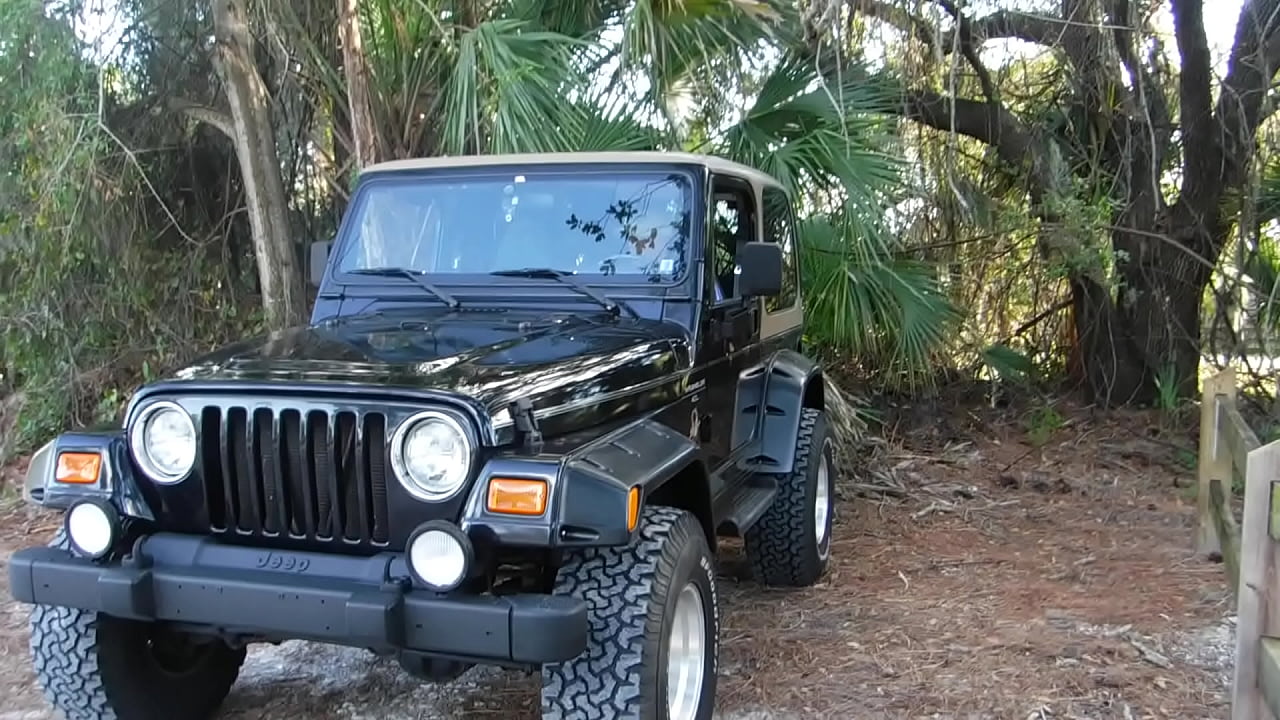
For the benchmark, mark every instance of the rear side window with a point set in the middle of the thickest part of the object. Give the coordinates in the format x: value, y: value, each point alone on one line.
x: 779, y: 227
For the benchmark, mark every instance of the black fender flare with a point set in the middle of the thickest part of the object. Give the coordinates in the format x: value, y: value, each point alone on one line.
x: 590, y: 488
x: 596, y: 481
x: 787, y: 382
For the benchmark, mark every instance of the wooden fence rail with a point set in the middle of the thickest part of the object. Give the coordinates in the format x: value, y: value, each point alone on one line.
x: 1229, y: 450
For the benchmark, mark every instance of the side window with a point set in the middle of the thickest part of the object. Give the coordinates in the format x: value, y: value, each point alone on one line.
x: 730, y: 229
x: 779, y: 227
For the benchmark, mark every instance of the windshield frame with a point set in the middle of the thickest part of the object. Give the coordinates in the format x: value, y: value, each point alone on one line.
x: 347, y: 236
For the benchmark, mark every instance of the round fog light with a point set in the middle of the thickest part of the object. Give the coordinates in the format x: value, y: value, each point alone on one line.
x: 91, y: 528
x: 439, y: 556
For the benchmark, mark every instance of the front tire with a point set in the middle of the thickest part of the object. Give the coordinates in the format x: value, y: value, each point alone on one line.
x: 790, y: 545
x: 97, y: 667
x: 654, y: 626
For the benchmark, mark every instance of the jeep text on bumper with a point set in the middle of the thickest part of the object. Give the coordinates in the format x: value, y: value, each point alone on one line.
x: 355, y: 601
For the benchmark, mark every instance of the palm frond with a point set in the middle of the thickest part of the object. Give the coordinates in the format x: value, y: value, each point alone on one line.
x: 596, y: 130
x: 888, y: 313
x: 818, y: 140
x: 507, y: 88
x: 699, y: 44
x: 582, y: 19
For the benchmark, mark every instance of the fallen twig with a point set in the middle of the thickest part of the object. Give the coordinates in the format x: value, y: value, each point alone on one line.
x: 1150, y: 654
x: 877, y: 490
x: 935, y: 506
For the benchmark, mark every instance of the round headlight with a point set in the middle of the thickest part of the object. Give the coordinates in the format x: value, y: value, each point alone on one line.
x: 164, y: 442
x: 431, y: 455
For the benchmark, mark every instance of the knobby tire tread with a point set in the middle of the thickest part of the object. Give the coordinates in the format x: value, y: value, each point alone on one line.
x: 781, y: 548
x: 606, y: 681
x: 88, y: 680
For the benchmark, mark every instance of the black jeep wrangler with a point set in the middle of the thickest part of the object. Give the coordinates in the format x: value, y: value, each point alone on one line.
x: 534, y: 392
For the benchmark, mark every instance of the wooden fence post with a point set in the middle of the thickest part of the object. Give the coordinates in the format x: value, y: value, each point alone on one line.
x: 1258, y: 616
x: 1214, y: 461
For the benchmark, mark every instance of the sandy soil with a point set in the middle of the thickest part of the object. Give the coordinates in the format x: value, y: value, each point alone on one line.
x: 1014, y: 581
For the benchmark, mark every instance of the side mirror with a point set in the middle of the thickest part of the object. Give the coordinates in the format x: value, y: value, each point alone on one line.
x: 760, y: 269
x: 319, y: 260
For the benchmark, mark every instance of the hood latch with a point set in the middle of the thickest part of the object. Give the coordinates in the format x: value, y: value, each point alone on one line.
x: 526, y: 424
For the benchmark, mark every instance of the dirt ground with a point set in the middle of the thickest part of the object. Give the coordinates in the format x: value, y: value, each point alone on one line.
x: 1014, y: 580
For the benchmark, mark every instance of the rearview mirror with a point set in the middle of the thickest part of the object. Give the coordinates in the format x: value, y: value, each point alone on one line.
x: 760, y: 269
x: 319, y: 260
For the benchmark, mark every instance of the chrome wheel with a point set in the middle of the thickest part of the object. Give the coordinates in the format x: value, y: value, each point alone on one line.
x: 822, y: 499
x: 686, y: 655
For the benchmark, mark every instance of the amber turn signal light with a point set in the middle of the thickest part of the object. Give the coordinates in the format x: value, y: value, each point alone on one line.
x: 514, y: 496
x: 633, y: 508
x: 78, y: 468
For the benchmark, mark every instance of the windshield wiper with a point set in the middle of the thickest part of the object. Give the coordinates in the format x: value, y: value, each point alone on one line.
x: 415, y: 276
x: 567, y: 278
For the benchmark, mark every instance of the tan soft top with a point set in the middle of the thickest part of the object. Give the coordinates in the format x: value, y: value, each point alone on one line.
x: 716, y: 164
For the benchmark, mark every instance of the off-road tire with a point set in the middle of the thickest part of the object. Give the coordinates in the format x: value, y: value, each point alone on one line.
x: 97, y: 667
x: 631, y: 594
x: 782, y: 545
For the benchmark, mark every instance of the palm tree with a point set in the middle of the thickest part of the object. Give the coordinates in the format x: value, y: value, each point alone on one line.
x: 723, y: 78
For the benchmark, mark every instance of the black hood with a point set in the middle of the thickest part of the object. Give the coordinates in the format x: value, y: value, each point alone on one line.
x: 490, y: 357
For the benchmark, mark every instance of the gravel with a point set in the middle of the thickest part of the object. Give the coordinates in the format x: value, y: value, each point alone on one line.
x: 1212, y: 647
x: 337, y: 683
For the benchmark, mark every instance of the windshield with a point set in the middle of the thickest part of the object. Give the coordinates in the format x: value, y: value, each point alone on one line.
x: 630, y: 225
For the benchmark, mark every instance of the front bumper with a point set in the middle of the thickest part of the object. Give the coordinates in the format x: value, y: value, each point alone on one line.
x: 282, y: 595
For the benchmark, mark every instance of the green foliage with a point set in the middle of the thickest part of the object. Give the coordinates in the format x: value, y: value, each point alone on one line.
x: 1261, y: 267
x: 1167, y: 388
x: 1188, y: 460
x: 1008, y: 364
x: 519, y: 81
x: 1042, y: 423
x: 123, y: 244
x: 887, y: 313
x: 95, y: 278
x: 1267, y: 206
x: 506, y: 83
x: 818, y: 139
x: 863, y: 301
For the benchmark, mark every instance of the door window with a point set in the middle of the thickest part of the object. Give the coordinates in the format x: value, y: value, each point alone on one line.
x: 779, y: 227
x: 731, y: 228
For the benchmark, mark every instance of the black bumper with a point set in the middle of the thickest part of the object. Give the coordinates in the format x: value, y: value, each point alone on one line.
x: 298, y: 595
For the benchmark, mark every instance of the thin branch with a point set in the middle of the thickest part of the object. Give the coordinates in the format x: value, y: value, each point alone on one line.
x: 100, y: 119
x: 900, y: 18
x: 1015, y: 25
x: 205, y: 114
x: 1041, y: 317
x: 1190, y: 253
x: 1254, y: 59
x: 969, y: 49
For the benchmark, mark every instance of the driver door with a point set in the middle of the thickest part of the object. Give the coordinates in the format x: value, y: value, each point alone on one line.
x: 731, y: 327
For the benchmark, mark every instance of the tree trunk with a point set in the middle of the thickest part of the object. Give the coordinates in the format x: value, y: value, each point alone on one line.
x: 1146, y: 336
x: 356, y: 68
x: 1138, y: 327
x: 1141, y: 342
x: 279, y: 275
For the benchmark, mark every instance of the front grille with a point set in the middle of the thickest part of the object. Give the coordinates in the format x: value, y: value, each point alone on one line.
x: 300, y: 474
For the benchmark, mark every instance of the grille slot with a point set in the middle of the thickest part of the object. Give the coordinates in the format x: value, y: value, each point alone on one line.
x: 308, y: 475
